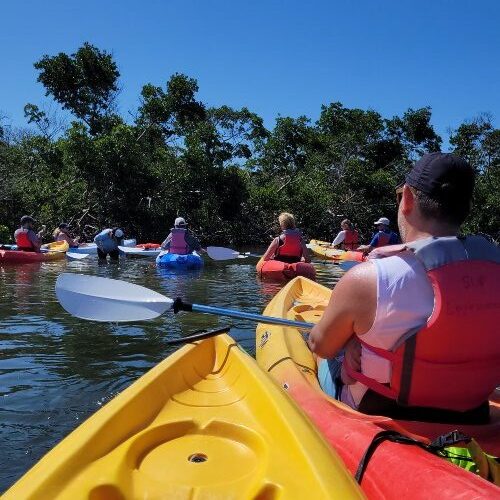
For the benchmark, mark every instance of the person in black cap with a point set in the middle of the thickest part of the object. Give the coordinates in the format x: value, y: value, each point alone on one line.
x: 61, y: 233
x: 26, y: 238
x: 418, y: 321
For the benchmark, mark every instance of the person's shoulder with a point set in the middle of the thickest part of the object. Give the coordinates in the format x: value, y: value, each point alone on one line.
x: 358, y: 281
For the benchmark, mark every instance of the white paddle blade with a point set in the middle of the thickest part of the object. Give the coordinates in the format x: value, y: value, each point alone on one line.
x: 76, y: 256
x: 103, y: 299
x: 221, y: 253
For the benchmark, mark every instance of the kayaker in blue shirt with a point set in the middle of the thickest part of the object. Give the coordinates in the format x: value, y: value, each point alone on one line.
x: 107, y: 242
x: 383, y: 237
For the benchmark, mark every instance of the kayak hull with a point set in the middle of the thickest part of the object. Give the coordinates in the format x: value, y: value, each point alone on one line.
x: 324, y: 250
x: 88, y: 248
x: 51, y: 251
x: 281, y: 271
x: 395, y: 470
x: 175, y: 261
x: 205, y: 423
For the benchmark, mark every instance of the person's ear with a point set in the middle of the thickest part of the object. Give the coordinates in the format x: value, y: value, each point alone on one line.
x: 408, y: 200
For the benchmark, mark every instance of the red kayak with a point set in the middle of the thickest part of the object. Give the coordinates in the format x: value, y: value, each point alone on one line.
x: 51, y: 251
x: 277, y: 270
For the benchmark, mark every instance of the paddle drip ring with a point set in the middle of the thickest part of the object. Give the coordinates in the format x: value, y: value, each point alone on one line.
x: 197, y: 458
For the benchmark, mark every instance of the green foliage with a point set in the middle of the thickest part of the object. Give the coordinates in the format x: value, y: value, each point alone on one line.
x: 84, y: 83
x: 217, y: 166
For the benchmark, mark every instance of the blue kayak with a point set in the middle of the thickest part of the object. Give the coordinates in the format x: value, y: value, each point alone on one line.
x: 181, y: 262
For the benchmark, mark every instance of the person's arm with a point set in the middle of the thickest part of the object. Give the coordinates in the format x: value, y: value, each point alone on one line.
x: 166, y: 244
x: 351, y: 310
x: 271, y: 249
x: 368, y: 248
x: 35, y: 240
x: 193, y: 242
x: 306, y: 256
x: 338, y: 239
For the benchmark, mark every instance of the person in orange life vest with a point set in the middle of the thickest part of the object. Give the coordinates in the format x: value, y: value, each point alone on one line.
x: 425, y: 312
x: 181, y: 240
x: 26, y: 238
x: 61, y: 233
x: 348, y: 238
x: 289, y: 246
x: 383, y: 237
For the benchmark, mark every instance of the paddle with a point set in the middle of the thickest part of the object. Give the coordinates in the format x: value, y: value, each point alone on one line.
x: 103, y: 299
x: 222, y: 253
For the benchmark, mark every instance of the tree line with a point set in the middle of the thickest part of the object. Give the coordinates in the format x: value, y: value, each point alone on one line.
x: 218, y: 167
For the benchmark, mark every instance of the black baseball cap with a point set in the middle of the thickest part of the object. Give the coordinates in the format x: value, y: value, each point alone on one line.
x: 63, y: 225
x: 443, y: 177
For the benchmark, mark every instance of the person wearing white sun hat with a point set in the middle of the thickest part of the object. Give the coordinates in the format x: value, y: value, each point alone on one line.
x: 107, y: 242
x: 181, y: 240
x: 383, y: 237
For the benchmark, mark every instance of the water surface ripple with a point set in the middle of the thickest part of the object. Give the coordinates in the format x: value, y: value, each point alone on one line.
x: 56, y: 370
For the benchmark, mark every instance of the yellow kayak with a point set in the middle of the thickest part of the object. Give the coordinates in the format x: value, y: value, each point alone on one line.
x: 396, y: 471
x: 325, y: 250
x: 206, y: 423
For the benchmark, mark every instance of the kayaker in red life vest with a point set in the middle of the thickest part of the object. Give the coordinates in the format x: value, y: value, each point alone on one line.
x: 61, y: 233
x: 348, y: 238
x: 289, y: 246
x: 26, y: 239
x: 181, y: 240
x: 425, y: 312
x: 383, y: 237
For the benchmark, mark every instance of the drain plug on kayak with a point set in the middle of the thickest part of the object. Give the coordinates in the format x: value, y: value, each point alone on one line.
x: 197, y: 458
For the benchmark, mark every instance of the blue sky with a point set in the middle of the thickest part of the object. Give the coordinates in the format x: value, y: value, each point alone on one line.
x: 275, y: 57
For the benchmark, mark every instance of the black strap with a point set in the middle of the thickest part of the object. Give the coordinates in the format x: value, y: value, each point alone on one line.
x: 436, y: 447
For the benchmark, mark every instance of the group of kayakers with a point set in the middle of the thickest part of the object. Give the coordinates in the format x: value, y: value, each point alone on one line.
x: 412, y: 332
x: 180, y: 240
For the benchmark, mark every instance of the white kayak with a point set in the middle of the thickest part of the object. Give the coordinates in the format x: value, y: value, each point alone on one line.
x: 140, y: 252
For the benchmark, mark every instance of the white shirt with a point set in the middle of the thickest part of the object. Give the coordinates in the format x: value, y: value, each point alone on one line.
x: 405, y: 300
x: 339, y: 238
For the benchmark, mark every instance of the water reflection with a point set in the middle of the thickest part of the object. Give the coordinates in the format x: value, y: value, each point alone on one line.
x: 55, y: 370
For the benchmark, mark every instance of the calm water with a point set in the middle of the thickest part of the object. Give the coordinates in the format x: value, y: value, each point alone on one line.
x: 56, y: 370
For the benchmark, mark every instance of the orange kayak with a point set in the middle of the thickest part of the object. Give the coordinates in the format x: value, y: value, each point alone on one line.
x: 279, y: 271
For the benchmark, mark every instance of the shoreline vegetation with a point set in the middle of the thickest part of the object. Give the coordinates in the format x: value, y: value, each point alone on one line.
x: 218, y: 167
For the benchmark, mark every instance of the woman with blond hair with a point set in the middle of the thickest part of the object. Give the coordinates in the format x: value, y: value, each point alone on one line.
x: 289, y: 246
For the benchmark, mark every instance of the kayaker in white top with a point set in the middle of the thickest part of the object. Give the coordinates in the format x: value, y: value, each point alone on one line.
x: 348, y: 237
x: 386, y: 303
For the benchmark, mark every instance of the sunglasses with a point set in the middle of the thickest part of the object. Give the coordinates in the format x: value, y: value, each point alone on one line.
x: 399, y: 194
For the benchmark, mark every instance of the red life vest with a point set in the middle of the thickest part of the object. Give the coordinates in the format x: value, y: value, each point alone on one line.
x: 351, y: 239
x: 383, y: 239
x: 290, y: 250
x: 453, y: 361
x: 23, y: 242
x: 178, y: 242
